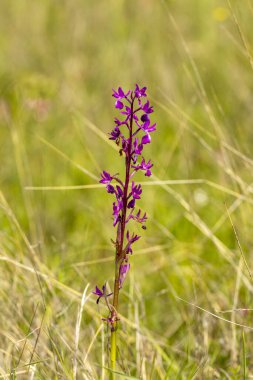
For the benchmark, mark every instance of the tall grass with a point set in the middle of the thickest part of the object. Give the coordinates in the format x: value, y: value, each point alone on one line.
x: 187, y: 305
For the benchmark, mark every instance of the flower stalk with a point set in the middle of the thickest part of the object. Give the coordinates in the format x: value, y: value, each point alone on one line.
x: 131, y: 134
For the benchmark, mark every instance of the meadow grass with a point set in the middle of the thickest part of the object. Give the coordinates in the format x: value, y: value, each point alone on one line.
x: 186, y: 306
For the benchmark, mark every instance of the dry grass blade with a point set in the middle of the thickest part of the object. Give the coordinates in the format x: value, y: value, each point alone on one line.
x: 149, y: 183
x: 242, y: 36
x: 213, y: 314
x: 206, y: 132
x: 57, y: 188
x: 78, y: 117
x: 60, y: 153
x: 78, y: 326
x: 92, y: 342
x: 192, y: 216
x: 239, y: 244
x: 144, y: 251
x: 50, y: 278
x: 236, y: 297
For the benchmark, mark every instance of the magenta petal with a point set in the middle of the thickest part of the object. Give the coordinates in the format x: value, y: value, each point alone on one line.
x: 146, y: 124
x: 131, y: 204
x: 106, y: 178
x: 110, y: 189
x: 146, y: 139
x: 119, y: 104
x: 145, y: 118
x: 98, y: 292
x: 124, y: 268
x: 120, y: 191
x: 121, y: 92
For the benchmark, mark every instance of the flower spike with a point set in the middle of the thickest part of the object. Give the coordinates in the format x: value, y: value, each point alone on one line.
x: 131, y: 132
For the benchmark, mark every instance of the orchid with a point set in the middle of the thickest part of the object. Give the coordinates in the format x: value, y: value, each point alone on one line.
x: 105, y: 178
x: 146, y: 166
x: 101, y: 293
x: 131, y: 134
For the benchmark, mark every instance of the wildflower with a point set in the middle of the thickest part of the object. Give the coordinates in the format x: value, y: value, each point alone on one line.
x: 131, y: 240
x: 106, y: 178
x: 120, y: 93
x: 146, y: 139
x: 127, y: 111
x: 137, y: 147
x: 119, y: 104
x: 136, y: 191
x: 146, y: 166
x: 139, y: 92
x: 115, y: 134
x: 124, y: 268
x: 119, y: 192
x: 147, y: 128
x: 116, y: 211
x: 144, y: 117
x: 110, y: 188
x: 101, y: 293
x: 131, y: 133
x: 137, y: 217
x: 146, y: 108
x: 131, y: 204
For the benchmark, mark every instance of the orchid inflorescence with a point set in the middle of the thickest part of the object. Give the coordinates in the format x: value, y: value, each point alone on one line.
x: 131, y: 134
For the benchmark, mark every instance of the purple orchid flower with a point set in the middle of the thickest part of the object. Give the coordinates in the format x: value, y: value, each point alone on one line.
x: 119, y: 192
x: 146, y: 139
x: 116, y: 211
x: 146, y: 127
x: 118, y: 122
x: 124, y: 268
x: 136, y: 191
x: 106, y: 178
x: 138, y: 218
x: 127, y: 111
x: 120, y: 93
x: 146, y: 166
x: 131, y: 240
x: 131, y: 204
x: 131, y: 135
x: 139, y: 92
x: 101, y: 293
x: 115, y: 134
x: 146, y: 108
x: 110, y: 189
x: 145, y: 118
x: 119, y: 104
x: 137, y: 147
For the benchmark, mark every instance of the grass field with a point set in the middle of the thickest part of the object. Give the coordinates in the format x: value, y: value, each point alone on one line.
x: 186, y: 306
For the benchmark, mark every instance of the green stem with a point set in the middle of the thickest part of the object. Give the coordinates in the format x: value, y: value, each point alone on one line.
x: 113, y: 352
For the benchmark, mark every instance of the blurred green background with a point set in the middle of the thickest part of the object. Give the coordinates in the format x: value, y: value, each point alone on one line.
x: 58, y: 64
